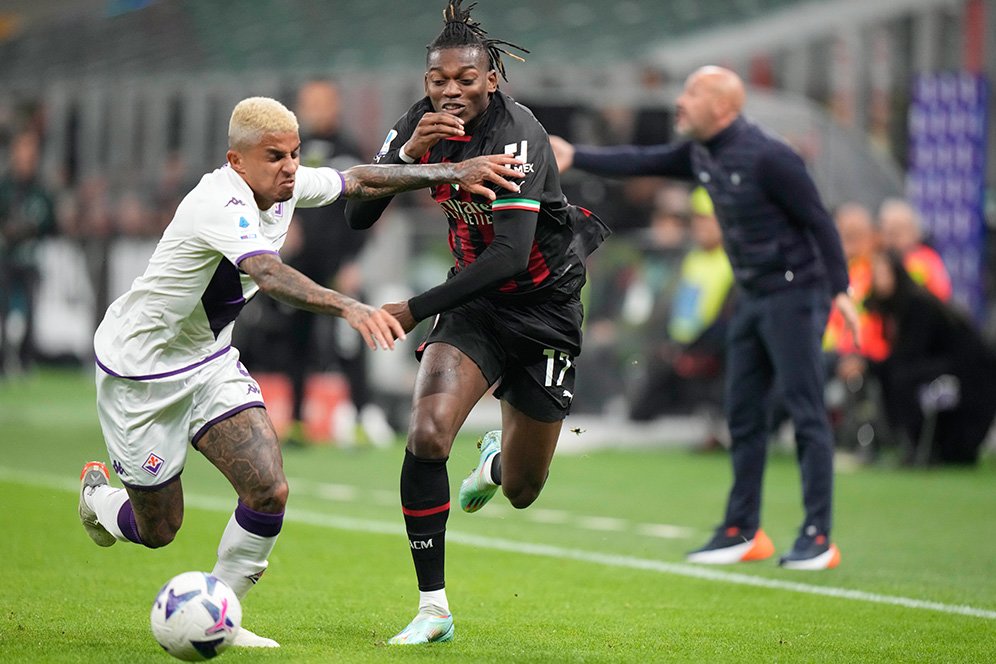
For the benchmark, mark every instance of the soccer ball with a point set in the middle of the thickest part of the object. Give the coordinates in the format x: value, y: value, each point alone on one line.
x: 195, y: 616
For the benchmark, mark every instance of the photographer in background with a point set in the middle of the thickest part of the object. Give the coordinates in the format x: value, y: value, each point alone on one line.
x: 27, y: 214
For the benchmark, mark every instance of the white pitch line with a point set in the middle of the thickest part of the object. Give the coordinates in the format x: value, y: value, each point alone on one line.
x: 385, y: 498
x: 664, y: 530
x: 542, y: 515
x: 545, y: 550
x: 606, y: 523
x: 346, y: 493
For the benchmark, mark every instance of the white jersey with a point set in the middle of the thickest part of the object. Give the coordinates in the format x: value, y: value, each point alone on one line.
x: 180, y: 313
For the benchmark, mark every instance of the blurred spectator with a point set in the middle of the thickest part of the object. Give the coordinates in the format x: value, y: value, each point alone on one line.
x: 133, y: 218
x: 902, y: 232
x: 684, y: 364
x: 172, y: 184
x: 937, y: 382
x: 853, y: 396
x: 96, y: 230
x: 637, y: 281
x: 321, y: 245
x: 27, y: 213
x: 859, y: 240
x: 664, y: 244
x: 609, y: 301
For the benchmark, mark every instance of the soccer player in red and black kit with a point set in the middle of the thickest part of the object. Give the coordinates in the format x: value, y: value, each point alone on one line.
x: 509, y: 312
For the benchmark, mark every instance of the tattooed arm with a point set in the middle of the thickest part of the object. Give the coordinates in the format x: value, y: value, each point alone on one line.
x: 376, y: 180
x: 284, y: 283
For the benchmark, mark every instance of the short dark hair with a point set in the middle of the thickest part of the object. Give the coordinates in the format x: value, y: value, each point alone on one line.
x: 460, y: 30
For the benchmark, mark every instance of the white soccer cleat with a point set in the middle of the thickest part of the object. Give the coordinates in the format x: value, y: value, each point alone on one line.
x: 425, y: 628
x: 246, y: 639
x: 94, y: 474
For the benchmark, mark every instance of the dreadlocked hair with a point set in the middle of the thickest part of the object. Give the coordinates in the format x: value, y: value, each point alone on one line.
x: 460, y: 29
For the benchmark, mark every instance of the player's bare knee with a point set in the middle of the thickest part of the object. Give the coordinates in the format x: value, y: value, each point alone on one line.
x: 426, y: 440
x: 156, y: 541
x: 161, y: 535
x: 521, y: 495
x: 522, y: 499
x: 270, y: 498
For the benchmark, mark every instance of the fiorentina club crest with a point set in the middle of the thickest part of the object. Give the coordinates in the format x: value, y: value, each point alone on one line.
x: 153, y: 465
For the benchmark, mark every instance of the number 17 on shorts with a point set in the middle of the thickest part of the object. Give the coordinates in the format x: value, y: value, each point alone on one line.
x: 558, y: 363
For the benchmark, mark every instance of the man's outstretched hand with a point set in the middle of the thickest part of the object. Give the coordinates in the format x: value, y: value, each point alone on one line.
x: 494, y: 168
x: 378, y: 328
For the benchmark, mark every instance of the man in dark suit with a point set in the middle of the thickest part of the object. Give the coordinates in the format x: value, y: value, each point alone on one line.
x: 788, y: 265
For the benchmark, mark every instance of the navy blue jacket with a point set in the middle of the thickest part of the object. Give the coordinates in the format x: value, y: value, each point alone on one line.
x: 775, y: 229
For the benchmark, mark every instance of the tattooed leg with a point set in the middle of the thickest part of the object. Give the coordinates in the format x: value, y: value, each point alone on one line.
x: 150, y: 517
x: 245, y: 449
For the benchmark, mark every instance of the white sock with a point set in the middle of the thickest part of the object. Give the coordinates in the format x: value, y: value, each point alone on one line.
x: 433, y: 602
x: 106, y: 501
x: 242, y: 557
x: 486, y: 471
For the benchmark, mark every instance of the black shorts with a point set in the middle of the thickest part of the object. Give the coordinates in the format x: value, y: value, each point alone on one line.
x: 530, y: 349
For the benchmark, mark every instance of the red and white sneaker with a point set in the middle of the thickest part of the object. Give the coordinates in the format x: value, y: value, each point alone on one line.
x: 94, y: 474
x: 811, y: 552
x: 733, y: 545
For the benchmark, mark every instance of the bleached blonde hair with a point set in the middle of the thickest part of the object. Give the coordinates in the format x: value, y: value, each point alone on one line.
x: 255, y: 116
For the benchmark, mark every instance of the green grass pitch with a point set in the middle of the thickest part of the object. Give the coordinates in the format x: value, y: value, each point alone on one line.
x: 592, y: 573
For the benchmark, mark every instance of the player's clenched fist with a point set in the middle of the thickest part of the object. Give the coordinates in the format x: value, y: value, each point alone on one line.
x: 401, y: 312
x: 432, y: 128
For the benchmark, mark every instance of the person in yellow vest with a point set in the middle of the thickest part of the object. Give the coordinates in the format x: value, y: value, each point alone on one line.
x: 860, y: 240
x: 687, y: 362
x: 853, y: 394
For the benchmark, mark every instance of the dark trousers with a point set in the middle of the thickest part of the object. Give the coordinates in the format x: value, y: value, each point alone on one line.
x: 774, y: 342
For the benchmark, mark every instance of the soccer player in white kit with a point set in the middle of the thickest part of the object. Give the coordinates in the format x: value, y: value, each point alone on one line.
x: 167, y: 372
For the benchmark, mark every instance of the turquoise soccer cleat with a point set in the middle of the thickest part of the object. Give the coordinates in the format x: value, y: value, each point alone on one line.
x: 476, y: 490
x: 425, y: 628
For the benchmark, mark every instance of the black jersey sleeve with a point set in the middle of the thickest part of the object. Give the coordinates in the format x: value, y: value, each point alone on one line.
x: 523, y: 137
x: 506, y: 256
x: 363, y: 214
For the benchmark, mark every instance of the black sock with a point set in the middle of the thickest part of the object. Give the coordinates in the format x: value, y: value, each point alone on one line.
x: 425, y: 502
x: 496, y: 469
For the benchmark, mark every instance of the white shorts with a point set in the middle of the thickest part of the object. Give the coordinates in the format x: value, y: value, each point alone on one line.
x: 147, y: 423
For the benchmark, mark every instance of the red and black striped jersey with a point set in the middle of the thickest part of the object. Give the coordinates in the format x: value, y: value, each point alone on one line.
x: 564, y: 233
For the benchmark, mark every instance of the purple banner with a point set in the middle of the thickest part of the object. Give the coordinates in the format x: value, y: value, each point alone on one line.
x: 946, y: 176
